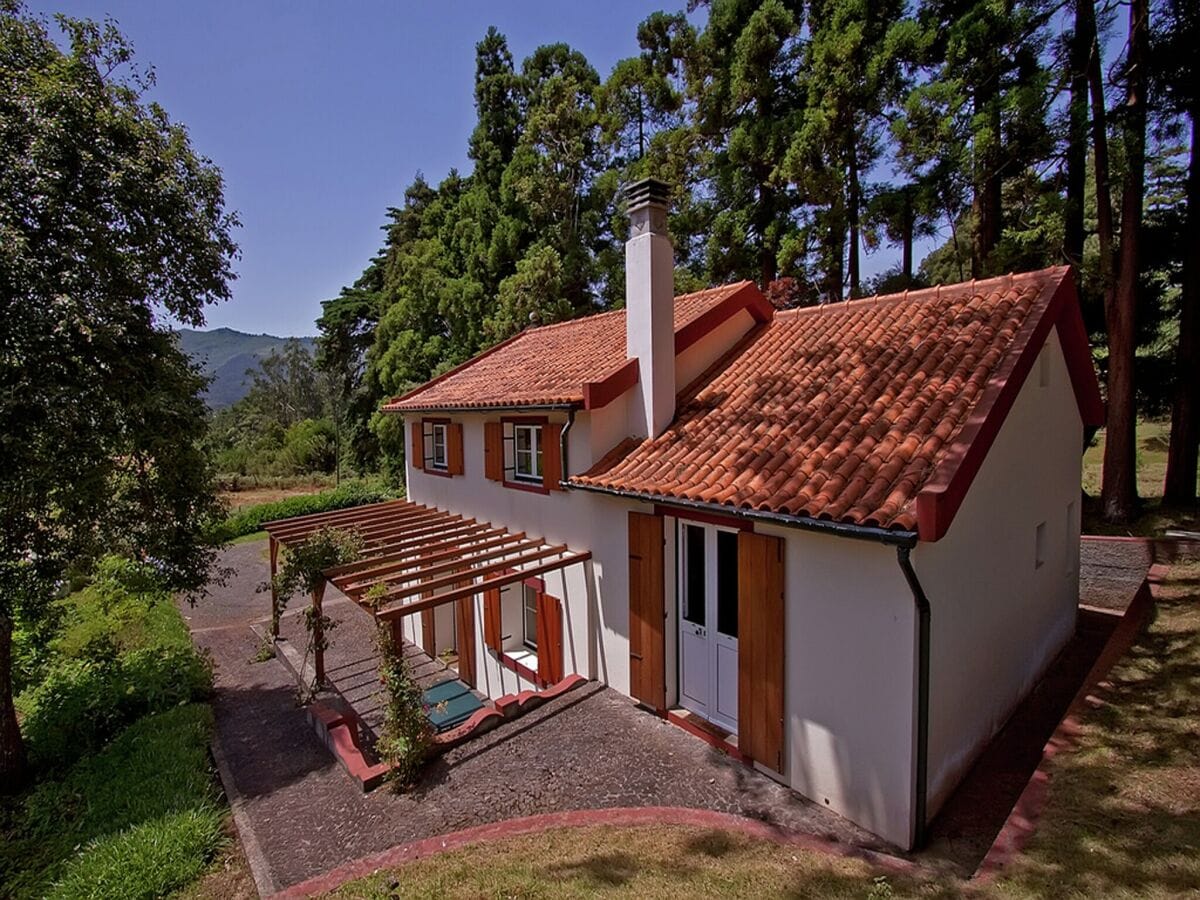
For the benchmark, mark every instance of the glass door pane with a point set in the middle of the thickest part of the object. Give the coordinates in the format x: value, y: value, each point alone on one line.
x: 727, y: 583
x: 694, y: 574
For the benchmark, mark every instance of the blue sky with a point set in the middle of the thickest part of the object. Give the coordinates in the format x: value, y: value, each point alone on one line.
x: 320, y: 114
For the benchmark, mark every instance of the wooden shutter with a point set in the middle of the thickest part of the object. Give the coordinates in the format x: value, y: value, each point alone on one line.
x: 428, y: 633
x: 549, y: 639
x: 551, y: 456
x: 454, y: 448
x: 760, y: 648
x: 464, y: 621
x: 418, y: 445
x: 493, y: 451
x: 491, y: 620
x: 647, y: 611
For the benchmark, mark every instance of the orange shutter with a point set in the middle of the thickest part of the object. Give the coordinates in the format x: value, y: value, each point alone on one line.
x: 418, y: 445
x: 491, y: 620
x: 647, y: 611
x: 493, y: 451
x: 454, y: 448
x: 551, y: 456
x: 760, y: 648
x: 464, y: 619
x: 549, y: 639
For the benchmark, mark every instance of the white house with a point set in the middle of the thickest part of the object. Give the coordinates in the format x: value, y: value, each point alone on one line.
x: 846, y: 535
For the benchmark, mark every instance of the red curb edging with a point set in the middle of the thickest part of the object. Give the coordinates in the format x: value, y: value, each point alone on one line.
x: 619, y: 817
x: 1022, y: 821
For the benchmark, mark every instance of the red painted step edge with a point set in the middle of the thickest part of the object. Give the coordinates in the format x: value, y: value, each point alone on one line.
x: 620, y: 817
x: 1023, y: 820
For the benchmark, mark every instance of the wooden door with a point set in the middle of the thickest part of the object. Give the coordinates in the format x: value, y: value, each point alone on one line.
x: 647, y: 611
x: 761, y: 648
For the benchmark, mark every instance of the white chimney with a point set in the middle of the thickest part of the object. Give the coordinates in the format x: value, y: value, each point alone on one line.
x: 650, y: 306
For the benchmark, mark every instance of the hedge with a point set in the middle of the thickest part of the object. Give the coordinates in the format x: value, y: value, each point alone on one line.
x: 251, y: 519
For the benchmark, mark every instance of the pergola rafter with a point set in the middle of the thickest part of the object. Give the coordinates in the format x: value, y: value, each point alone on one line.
x: 423, y: 557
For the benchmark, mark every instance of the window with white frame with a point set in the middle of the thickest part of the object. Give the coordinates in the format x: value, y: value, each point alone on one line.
x: 438, y: 455
x: 527, y: 453
x: 529, y: 616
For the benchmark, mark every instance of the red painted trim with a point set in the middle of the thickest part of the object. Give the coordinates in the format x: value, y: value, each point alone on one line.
x: 694, y: 515
x: 621, y: 817
x: 597, y: 394
x: 525, y: 420
x: 513, y: 666
x: 532, y: 486
x: 538, y: 584
x: 1023, y: 820
x: 392, y: 405
x: 1077, y: 351
x: 942, y: 495
x: 708, y: 737
x: 747, y: 297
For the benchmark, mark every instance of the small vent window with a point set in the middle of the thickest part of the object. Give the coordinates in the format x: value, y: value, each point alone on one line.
x: 1039, y: 546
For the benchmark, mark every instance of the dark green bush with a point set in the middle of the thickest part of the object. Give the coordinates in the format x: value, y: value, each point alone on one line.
x: 139, y: 819
x: 122, y: 651
x: 251, y: 519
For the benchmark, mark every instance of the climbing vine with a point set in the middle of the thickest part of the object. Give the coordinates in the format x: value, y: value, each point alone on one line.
x: 407, y: 735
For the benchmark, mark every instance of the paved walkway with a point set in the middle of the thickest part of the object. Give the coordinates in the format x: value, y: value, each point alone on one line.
x: 589, y: 749
x: 596, y: 750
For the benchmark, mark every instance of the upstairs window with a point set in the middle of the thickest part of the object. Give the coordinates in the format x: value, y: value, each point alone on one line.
x: 439, y: 458
x: 527, y: 453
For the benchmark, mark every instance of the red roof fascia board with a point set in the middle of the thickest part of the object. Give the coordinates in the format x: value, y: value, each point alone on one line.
x: 603, y: 392
x: 943, y: 494
x: 1072, y: 334
x: 747, y: 296
x: 427, y: 385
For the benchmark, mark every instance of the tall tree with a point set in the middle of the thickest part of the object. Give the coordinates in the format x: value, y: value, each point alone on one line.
x: 743, y: 77
x: 109, y: 219
x: 1178, y: 79
x: 1119, y: 488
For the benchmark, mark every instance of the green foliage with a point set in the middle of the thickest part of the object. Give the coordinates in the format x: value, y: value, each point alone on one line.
x: 141, y: 818
x: 251, y: 518
x: 122, y: 651
x: 302, y: 564
x: 407, y: 735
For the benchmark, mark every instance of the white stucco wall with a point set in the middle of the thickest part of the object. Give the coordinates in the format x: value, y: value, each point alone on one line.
x: 998, y: 619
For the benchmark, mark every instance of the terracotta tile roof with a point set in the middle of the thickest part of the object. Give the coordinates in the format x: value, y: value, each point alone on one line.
x: 846, y: 412
x: 548, y: 365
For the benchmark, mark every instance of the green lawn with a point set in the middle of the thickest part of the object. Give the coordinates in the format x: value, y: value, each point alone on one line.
x: 1122, y: 820
x: 1152, y: 440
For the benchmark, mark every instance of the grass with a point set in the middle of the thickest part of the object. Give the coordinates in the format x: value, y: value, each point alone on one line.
x: 141, y: 818
x: 1122, y: 819
x: 1152, y: 441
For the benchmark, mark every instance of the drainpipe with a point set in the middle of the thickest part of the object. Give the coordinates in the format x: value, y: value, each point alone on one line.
x: 562, y: 449
x: 921, y: 776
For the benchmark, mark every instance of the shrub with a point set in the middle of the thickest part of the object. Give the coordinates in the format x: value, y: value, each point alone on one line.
x: 139, y: 819
x: 251, y: 519
x: 122, y: 651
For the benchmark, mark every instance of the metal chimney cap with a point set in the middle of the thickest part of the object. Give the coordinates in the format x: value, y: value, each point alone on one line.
x: 647, y: 192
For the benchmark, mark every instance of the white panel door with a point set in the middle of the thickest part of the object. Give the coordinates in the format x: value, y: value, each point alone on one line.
x: 708, y: 662
x: 694, y: 664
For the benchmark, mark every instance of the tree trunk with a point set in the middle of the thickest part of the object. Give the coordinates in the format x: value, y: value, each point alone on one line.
x: 1184, y: 453
x: 766, y: 252
x: 906, y: 234
x: 852, y: 215
x: 1119, y: 492
x: 13, y: 767
x: 1080, y: 48
x: 1104, y: 216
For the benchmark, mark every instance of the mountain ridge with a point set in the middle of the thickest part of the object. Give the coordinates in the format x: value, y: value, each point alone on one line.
x: 225, y: 355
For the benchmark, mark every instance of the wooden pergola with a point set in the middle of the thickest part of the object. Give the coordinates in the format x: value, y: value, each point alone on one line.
x: 423, y: 556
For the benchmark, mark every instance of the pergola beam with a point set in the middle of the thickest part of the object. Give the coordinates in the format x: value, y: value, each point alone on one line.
x: 420, y: 587
x: 353, y: 513
x: 395, y: 571
x: 367, y: 526
x: 488, y: 584
x: 414, y: 550
x: 456, y: 565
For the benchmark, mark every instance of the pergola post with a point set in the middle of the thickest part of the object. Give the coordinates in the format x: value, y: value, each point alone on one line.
x: 273, y: 546
x: 318, y: 634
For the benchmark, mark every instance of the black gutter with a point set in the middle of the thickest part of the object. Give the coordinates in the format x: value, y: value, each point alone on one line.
x: 921, y: 775
x: 564, y: 460
x: 805, y: 523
